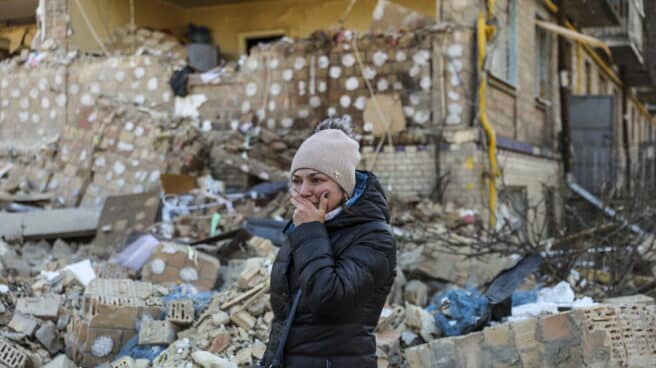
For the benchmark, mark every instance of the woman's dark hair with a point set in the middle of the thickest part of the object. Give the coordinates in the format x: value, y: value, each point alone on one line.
x: 336, y: 122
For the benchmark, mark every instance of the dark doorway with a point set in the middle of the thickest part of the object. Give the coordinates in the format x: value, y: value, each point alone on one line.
x: 254, y: 41
x: 591, y: 120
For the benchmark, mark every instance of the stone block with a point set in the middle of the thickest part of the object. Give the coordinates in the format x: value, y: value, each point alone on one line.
x: 440, y: 353
x: 61, y: 361
x: 23, y: 323
x: 416, y: 292
x: 251, y: 274
x: 498, y: 347
x: 562, y: 341
x: 156, y: 333
x: 469, y: 350
x: 497, y: 336
x: 46, y: 307
x: 558, y: 326
x: 596, y: 342
x: 48, y: 336
x: 525, y: 338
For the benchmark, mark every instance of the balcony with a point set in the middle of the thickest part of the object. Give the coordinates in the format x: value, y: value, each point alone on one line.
x: 626, y: 42
x: 595, y: 13
x: 647, y: 95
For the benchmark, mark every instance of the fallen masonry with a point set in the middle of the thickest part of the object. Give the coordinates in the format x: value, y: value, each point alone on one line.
x: 10, y: 356
x: 606, y: 335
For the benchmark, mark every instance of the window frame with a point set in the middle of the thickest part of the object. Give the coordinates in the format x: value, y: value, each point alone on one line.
x: 507, y: 38
x: 538, y: 71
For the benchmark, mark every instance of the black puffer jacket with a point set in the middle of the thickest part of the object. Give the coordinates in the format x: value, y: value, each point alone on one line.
x: 345, y: 269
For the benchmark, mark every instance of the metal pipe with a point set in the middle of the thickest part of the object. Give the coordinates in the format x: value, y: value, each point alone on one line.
x: 564, y: 83
x: 483, y: 33
x: 625, y: 136
x: 610, y: 212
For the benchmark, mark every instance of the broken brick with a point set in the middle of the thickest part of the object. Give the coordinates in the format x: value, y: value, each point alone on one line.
x: 156, y: 333
x: 10, y: 356
x: 220, y: 342
x: 181, y: 312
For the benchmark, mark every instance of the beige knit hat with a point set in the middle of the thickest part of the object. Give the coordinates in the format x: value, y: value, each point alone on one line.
x: 331, y: 152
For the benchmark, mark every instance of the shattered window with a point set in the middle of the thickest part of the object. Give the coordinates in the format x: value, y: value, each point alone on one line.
x: 503, y: 63
x: 512, y: 212
x: 543, y: 53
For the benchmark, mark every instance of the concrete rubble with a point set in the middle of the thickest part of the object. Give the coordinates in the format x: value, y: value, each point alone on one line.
x: 223, y: 319
x: 88, y: 288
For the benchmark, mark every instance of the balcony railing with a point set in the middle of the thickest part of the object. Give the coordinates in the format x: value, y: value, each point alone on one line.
x: 595, y: 13
x: 626, y: 40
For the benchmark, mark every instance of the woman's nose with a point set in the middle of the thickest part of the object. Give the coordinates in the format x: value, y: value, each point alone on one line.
x: 305, y: 191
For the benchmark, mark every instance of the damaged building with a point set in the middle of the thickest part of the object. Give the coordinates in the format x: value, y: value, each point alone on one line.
x: 155, y: 136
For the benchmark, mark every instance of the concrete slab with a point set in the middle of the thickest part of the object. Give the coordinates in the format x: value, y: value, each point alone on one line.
x: 57, y: 223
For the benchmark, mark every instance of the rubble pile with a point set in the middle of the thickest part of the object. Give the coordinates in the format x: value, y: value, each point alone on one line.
x: 426, y: 250
x: 128, y: 40
x: 158, y: 303
x: 56, y: 307
x: 295, y: 83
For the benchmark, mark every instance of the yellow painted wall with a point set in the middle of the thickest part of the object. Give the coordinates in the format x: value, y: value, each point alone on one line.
x: 298, y: 18
x: 106, y: 15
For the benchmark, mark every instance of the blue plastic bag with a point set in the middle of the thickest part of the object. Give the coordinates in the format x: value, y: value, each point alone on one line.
x: 468, y: 309
x: 521, y: 297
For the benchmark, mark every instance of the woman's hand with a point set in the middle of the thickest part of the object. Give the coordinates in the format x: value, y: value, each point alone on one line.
x: 305, y: 211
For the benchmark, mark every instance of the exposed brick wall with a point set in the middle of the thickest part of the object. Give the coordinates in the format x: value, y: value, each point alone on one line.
x: 501, y: 111
x: 403, y: 170
x: 294, y: 85
x: 106, y: 144
x: 32, y: 105
x: 465, y: 165
x: 57, y: 21
x: 536, y: 175
x: 513, y: 109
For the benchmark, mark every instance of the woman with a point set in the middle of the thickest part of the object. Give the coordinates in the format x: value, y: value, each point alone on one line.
x: 341, y: 255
